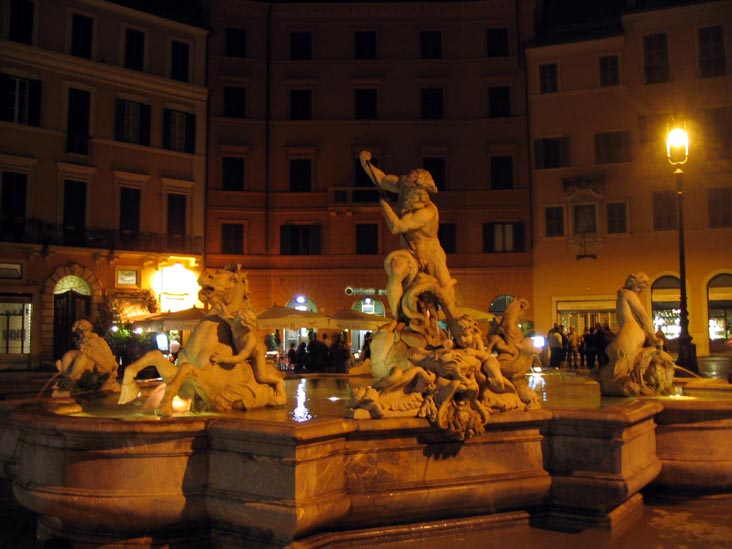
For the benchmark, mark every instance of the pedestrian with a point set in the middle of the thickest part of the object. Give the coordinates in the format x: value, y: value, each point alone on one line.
x: 573, y: 342
x: 582, y: 348
x: 555, y: 348
x: 292, y: 356
x: 318, y: 353
x: 591, y: 347
x: 302, y: 358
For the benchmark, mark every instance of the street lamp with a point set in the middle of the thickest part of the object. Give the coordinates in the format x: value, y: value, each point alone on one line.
x: 677, y: 151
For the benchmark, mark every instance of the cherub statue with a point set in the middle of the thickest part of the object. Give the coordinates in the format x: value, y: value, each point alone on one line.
x: 91, y: 364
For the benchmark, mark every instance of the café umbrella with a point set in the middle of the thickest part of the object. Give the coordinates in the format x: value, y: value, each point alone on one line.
x: 277, y: 317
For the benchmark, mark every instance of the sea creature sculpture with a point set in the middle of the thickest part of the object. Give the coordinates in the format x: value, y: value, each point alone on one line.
x: 222, y: 366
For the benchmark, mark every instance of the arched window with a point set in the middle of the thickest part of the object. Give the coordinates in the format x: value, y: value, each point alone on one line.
x: 665, y: 306
x: 500, y: 304
x: 302, y: 303
x: 719, y: 300
x: 370, y: 306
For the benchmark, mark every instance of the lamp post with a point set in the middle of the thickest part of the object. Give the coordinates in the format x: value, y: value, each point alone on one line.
x: 677, y: 151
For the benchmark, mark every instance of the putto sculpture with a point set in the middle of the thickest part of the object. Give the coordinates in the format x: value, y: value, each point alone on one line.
x: 637, y: 364
x: 448, y: 376
x: 222, y: 366
x: 92, y: 365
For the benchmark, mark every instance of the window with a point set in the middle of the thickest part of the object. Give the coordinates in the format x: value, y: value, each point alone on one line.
x: 367, y: 239
x: 301, y: 45
x: 548, y: 78
x: 431, y: 103
x: 499, y: 101
x: 133, y: 122
x: 77, y: 121
x: 716, y: 126
x: 74, y: 215
x: 436, y: 166
x: 447, y: 235
x: 366, y: 107
x: 20, y: 22
x: 232, y: 238
x: 15, y: 324
x: 554, y: 221
x: 617, y: 218
x: 300, y: 240
x: 301, y: 175
x: 179, y: 131
x: 82, y: 32
x: 21, y: 100
x: 712, y: 59
x: 611, y: 147
x: 503, y: 237
x: 364, y: 45
x: 134, y: 49
x: 609, y: 70
x: 232, y: 173
x: 176, y: 223
x: 551, y: 152
x: 665, y: 211
x: 430, y: 44
x: 129, y: 217
x: 496, y: 42
x: 235, y: 102
x: 720, y: 207
x: 12, y: 205
x: 369, y: 193
x: 585, y: 218
x: 179, y: 61
x: 235, y: 43
x: 300, y: 105
x: 655, y: 58
x: 501, y: 172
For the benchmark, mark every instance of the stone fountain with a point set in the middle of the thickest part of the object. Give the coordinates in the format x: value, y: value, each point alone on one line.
x: 448, y: 436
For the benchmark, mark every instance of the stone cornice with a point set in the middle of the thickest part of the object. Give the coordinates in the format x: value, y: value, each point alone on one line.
x: 22, y: 54
x: 156, y: 20
x: 492, y: 9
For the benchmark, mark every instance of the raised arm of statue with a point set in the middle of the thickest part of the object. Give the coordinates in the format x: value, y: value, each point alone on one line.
x: 379, y: 178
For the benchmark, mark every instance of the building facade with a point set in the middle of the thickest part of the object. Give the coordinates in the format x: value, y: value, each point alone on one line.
x: 299, y: 89
x: 102, y: 159
x: 605, y: 195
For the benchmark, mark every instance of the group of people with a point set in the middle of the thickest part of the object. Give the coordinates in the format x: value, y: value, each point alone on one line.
x: 575, y: 350
x: 319, y: 356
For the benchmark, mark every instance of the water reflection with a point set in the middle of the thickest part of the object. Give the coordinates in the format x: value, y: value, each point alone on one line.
x: 301, y: 412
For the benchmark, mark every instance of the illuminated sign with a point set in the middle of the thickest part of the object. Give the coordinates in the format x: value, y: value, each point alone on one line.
x: 364, y: 291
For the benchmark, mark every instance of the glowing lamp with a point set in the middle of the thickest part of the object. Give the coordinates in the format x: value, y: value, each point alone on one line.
x: 677, y: 143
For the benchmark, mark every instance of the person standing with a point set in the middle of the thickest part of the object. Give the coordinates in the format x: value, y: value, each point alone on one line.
x: 319, y: 353
x: 292, y: 355
x: 555, y: 348
x: 573, y: 340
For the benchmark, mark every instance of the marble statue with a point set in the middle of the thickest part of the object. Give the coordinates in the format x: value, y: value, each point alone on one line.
x: 637, y: 363
x: 92, y: 365
x: 222, y: 366
x: 445, y: 375
x: 416, y: 219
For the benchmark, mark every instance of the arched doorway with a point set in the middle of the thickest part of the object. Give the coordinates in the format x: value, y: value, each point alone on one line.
x: 72, y: 297
x: 368, y: 305
x: 666, y: 309
x: 301, y: 303
x: 719, y: 303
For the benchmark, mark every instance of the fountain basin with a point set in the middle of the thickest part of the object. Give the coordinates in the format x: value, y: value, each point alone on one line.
x: 301, y: 473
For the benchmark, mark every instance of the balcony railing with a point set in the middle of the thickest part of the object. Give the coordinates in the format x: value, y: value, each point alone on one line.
x: 33, y: 231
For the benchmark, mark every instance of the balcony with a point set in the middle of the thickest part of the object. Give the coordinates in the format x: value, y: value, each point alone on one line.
x: 34, y: 231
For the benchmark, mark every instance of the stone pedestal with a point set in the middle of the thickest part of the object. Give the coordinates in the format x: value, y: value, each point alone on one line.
x: 274, y: 487
x: 694, y: 443
x: 599, y: 460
